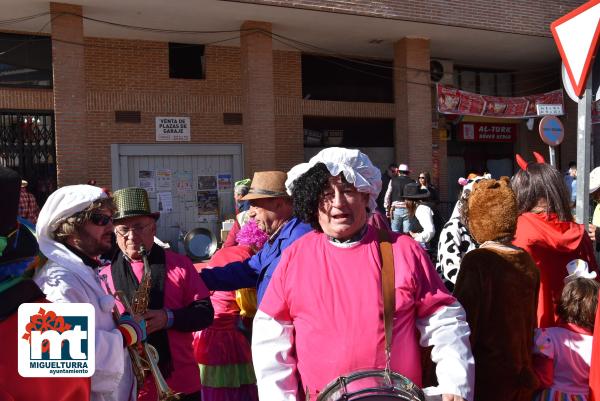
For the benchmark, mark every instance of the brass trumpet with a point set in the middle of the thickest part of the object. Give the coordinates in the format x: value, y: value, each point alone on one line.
x: 144, y: 361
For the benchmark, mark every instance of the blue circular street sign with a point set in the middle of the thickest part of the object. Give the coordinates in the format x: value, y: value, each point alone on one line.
x: 552, y: 130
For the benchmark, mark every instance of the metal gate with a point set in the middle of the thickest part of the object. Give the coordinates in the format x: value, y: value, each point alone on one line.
x: 186, y: 163
x: 27, y: 145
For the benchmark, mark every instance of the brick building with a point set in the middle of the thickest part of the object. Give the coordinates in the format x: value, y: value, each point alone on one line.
x: 82, y: 86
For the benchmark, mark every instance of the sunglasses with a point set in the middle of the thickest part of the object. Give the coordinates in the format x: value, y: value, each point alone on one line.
x: 100, y: 219
x: 421, y: 178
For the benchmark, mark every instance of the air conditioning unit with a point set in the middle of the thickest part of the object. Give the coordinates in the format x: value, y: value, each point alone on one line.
x: 441, y: 71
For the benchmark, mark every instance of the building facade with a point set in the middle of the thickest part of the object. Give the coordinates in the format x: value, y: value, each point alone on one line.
x: 261, y: 85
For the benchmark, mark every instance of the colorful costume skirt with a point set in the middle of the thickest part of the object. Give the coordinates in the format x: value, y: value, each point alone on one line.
x: 549, y: 394
x: 225, y: 360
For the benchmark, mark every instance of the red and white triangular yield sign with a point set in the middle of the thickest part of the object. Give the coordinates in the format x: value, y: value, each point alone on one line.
x: 576, y: 35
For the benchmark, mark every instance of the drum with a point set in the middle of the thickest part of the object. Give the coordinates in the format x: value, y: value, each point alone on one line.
x: 371, y: 385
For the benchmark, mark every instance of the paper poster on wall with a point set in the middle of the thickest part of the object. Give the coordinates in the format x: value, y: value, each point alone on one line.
x: 225, y: 182
x: 183, y: 182
x: 163, y: 179
x: 165, y: 202
x: 207, y: 182
x: 146, y: 180
x: 208, y: 205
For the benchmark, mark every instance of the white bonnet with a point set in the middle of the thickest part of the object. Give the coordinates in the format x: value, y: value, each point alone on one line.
x: 356, y: 166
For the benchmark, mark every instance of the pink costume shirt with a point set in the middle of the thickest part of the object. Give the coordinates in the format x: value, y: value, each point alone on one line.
x: 321, y: 318
x: 182, y: 287
x: 570, y: 348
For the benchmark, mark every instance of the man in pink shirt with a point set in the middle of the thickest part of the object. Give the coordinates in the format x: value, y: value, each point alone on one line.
x: 179, y: 302
x: 321, y: 316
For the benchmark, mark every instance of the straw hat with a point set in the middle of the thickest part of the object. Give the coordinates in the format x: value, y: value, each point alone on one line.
x: 267, y: 184
x: 132, y: 202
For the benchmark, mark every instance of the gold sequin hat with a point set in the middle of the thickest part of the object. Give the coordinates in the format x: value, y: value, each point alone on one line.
x: 132, y: 202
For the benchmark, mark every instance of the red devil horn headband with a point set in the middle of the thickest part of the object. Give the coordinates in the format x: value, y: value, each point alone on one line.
x: 523, y: 164
x: 539, y: 158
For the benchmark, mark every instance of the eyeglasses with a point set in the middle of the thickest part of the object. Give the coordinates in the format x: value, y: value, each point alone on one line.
x: 100, y: 219
x: 124, y: 230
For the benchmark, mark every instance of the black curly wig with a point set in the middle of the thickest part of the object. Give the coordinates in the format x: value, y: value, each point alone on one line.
x: 307, y: 192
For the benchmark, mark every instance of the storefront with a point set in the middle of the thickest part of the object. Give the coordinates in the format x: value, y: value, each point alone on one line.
x: 480, y: 145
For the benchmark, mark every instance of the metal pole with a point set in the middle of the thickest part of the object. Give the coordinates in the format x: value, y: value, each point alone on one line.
x: 584, y: 134
x: 552, y: 153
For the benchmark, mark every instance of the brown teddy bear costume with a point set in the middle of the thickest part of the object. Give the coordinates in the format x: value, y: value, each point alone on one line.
x: 498, y: 287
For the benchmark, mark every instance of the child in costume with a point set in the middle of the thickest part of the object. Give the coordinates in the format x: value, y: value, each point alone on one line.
x: 497, y: 285
x: 221, y: 350
x: 547, y: 231
x: 563, y: 353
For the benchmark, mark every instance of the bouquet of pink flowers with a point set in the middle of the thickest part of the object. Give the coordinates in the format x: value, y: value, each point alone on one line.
x: 251, y: 235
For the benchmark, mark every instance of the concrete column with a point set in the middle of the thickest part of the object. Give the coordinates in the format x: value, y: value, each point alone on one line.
x: 412, y: 96
x: 69, y: 94
x: 258, y: 97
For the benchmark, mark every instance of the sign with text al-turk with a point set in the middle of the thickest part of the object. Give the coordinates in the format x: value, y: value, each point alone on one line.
x: 173, y: 129
x: 483, y: 132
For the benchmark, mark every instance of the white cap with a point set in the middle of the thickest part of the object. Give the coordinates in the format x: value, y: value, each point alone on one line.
x: 403, y: 167
x: 62, y: 203
x: 356, y: 166
x: 578, y: 268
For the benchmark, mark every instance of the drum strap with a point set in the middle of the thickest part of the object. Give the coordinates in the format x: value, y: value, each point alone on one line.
x: 388, y: 290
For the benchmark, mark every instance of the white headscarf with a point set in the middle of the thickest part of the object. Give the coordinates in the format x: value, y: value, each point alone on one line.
x: 356, y: 166
x: 63, y: 203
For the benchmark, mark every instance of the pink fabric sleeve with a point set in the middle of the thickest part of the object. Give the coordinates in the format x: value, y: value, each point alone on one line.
x: 274, y: 302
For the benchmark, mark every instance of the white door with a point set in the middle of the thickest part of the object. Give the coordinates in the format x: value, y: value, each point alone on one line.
x: 170, y: 172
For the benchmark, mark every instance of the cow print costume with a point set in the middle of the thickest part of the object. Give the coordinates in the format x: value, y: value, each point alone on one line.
x: 455, y: 241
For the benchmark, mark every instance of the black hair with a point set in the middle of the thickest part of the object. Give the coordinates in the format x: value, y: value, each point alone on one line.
x: 307, y: 192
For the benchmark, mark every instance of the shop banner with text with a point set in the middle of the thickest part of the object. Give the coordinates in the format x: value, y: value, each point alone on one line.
x: 455, y: 101
x: 484, y: 132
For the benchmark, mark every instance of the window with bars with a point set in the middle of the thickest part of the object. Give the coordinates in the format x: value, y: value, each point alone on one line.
x: 27, y: 145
